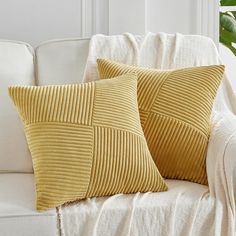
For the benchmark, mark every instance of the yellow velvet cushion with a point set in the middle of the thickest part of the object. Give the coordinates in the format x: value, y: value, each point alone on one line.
x: 86, y: 140
x: 175, y: 108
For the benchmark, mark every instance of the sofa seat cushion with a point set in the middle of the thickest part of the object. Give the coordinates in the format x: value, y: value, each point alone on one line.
x: 18, y: 215
x: 185, y: 209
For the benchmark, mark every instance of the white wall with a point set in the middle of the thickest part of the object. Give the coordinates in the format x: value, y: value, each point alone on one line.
x: 34, y: 21
x: 172, y: 16
x: 37, y: 20
x: 229, y: 59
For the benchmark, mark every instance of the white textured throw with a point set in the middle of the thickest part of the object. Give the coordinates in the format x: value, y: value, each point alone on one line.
x: 186, y: 208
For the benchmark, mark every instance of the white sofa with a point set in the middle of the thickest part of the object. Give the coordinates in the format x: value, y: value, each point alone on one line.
x: 60, y: 62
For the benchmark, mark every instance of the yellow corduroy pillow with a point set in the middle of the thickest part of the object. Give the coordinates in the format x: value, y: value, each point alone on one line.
x: 86, y: 140
x: 175, y: 108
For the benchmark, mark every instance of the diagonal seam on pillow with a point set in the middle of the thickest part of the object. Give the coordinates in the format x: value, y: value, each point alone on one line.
x: 86, y: 140
x: 178, y: 138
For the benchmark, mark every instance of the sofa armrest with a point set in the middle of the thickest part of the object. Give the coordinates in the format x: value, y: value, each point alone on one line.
x: 221, y: 160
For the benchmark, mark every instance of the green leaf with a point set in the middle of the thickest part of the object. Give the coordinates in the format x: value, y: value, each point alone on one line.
x: 225, y: 42
x: 228, y: 2
x: 231, y: 37
x: 234, y: 13
x: 228, y: 22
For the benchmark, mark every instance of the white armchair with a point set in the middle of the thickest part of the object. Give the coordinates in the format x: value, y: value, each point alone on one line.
x: 185, y: 209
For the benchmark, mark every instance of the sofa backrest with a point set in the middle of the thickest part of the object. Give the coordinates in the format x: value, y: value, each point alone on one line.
x: 16, y: 68
x: 61, y: 61
x: 53, y: 62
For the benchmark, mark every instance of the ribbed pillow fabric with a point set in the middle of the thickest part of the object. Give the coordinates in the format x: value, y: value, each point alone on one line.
x: 86, y: 140
x: 175, y: 108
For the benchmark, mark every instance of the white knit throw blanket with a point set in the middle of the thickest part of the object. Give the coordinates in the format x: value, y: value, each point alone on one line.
x: 215, y: 211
